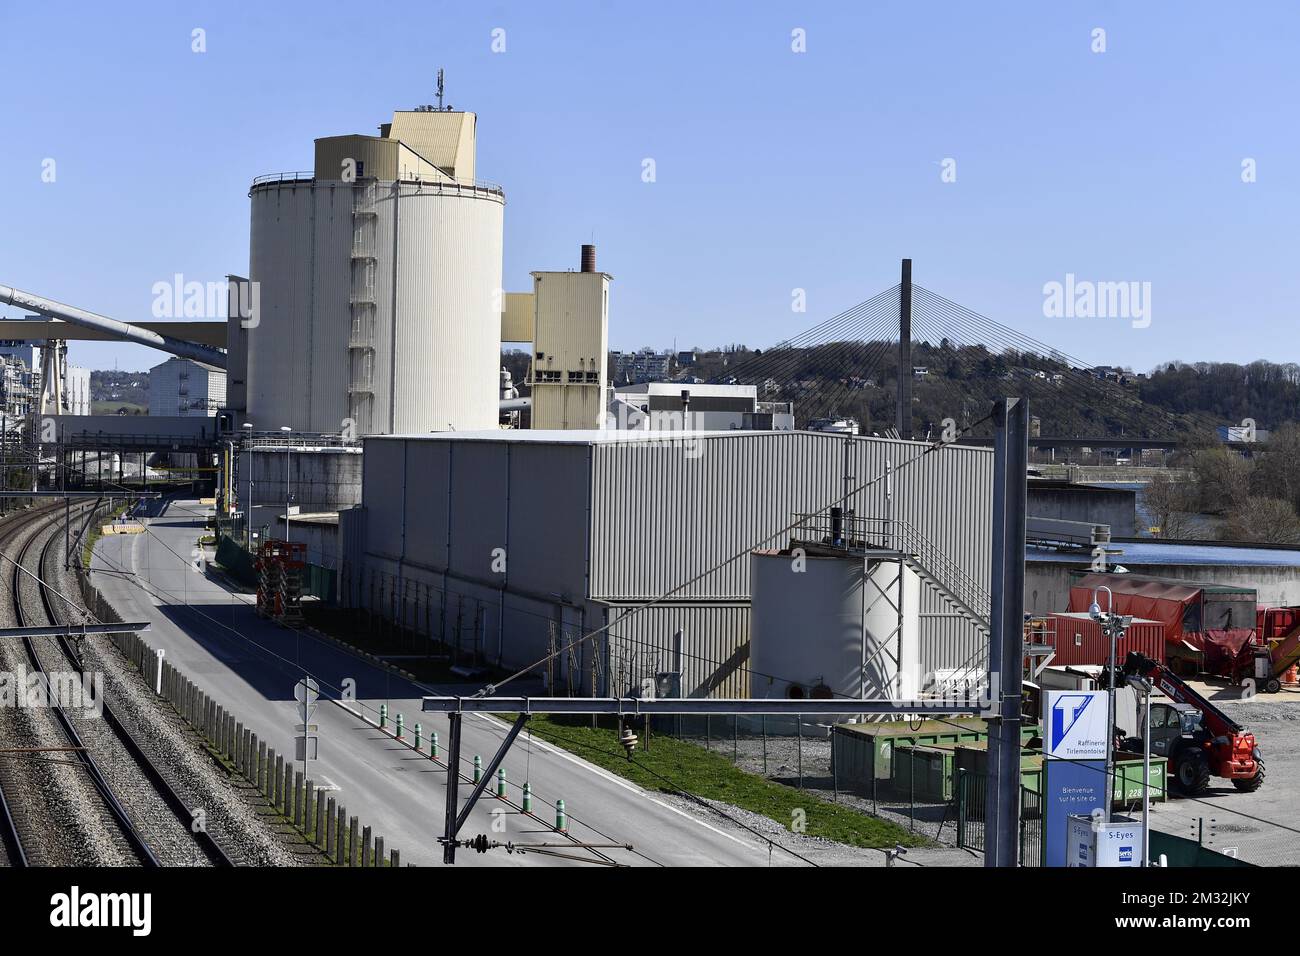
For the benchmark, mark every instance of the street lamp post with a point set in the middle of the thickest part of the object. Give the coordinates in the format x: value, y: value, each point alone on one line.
x: 248, y: 506
x: 1113, y: 626
x: 1143, y: 686
x: 287, y: 495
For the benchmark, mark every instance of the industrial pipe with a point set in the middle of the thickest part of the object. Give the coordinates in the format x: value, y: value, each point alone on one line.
x: 122, y: 330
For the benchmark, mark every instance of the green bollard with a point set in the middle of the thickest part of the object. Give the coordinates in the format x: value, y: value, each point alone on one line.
x: 478, y: 768
x: 561, y: 821
x: 399, y: 726
x: 417, y: 737
x: 501, y: 783
x: 528, y: 798
x: 433, y: 745
x: 383, y: 716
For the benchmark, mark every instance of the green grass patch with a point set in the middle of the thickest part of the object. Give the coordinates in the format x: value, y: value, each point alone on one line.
x: 117, y: 408
x: 675, y: 766
x: 95, y: 532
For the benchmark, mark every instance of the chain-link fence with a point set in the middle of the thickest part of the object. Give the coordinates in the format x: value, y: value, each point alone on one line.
x: 907, y: 785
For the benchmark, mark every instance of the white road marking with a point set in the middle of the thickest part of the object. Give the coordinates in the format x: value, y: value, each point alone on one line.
x: 556, y: 751
x: 590, y: 768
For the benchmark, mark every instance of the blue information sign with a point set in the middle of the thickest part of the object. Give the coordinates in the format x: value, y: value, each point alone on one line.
x: 1069, y: 787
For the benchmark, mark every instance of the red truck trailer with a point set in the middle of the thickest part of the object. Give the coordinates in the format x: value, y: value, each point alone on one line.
x: 1208, y: 628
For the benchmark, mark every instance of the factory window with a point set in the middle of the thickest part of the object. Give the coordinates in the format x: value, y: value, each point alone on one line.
x: 361, y: 168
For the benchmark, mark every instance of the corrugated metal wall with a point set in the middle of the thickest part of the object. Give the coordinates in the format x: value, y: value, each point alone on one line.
x: 714, y: 641
x: 661, y: 514
x: 668, y: 513
x: 185, y: 388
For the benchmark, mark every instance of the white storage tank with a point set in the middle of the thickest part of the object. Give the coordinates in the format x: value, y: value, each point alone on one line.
x: 377, y: 301
x: 830, y: 626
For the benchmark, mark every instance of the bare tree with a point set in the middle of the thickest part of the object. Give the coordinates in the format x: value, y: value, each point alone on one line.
x: 1172, y: 506
x: 1277, y: 474
x: 1267, y: 520
x: 1222, y: 479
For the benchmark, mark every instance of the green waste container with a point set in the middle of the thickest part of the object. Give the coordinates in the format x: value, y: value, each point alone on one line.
x: 863, y: 752
x: 924, y: 773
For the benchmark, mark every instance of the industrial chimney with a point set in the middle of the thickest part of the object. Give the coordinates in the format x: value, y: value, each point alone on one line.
x: 588, y: 258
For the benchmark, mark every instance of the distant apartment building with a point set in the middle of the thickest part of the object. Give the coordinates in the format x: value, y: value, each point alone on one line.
x: 646, y: 365
x: 181, y: 387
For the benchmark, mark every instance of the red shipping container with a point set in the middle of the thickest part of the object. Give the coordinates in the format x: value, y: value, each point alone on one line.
x: 1274, y: 623
x: 1079, y: 640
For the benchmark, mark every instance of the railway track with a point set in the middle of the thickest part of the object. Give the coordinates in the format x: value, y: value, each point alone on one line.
x: 146, y: 817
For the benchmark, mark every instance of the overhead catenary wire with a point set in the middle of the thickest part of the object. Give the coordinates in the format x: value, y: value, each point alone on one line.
x: 161, y: 592
x: 490, y: 689
x: 959, y: 322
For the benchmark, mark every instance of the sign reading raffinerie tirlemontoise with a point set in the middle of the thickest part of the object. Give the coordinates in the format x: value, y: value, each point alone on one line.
x: 1075, y: 724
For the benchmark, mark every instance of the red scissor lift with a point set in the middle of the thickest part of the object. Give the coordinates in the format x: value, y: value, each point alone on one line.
x: 279, y: 567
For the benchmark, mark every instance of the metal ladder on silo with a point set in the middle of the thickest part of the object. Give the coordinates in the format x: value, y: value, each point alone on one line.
x: 361, y: 299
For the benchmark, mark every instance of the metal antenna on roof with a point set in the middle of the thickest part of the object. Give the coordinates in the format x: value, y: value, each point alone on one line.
x: 429, y: 107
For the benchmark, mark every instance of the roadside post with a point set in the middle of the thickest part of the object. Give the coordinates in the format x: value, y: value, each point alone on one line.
x: 306, y: 692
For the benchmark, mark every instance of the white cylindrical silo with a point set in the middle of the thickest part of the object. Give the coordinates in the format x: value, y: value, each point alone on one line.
x: 823, y: 626
x: 377, y: 306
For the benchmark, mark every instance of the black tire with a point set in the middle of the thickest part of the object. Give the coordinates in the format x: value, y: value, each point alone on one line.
x: 1272, y: 685
x: 1192, y: 773
x: 1251, y: 784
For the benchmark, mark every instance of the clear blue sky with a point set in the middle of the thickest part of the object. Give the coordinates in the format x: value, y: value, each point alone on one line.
x: 776, y: 170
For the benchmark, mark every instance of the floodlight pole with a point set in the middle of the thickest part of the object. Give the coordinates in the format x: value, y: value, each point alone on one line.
x: 1006, y: 642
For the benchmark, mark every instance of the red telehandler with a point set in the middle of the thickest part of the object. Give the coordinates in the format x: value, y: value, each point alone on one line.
x: 1198, y: 739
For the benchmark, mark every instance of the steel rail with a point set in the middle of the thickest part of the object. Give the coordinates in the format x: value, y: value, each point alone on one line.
x: 10, y: 832
x: 210, y: 847
x: 123, y: 820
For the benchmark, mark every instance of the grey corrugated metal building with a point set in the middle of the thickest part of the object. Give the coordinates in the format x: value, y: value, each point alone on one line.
x: 510, y: 541
x: 182, y: 387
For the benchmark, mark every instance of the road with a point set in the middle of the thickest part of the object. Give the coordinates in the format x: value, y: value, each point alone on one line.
x: 250, y: 666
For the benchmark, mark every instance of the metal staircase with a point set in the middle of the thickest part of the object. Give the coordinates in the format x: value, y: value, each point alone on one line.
x: 891, y: 538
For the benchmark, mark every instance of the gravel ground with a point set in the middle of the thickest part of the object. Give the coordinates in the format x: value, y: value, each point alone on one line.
x: 174, y: 747
x: 61, y: 814
x: 63, y: 819
x: 168, y: 837
x: 1246, y: 825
